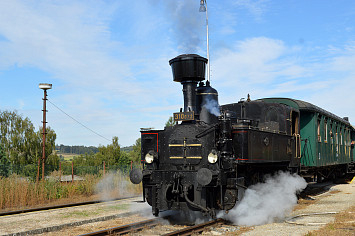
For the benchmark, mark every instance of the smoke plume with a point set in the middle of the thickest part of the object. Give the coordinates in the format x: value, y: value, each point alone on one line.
x: 188, y: 24
x: 212, y: 106
x: 268, y: 202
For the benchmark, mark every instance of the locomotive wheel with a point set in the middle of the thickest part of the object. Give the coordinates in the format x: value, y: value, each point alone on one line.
x: 148, y: 195
x: 229, y: 200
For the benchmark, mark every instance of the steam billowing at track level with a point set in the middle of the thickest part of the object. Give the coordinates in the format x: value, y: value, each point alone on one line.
x: 267, y: 202
x: 207, y: 161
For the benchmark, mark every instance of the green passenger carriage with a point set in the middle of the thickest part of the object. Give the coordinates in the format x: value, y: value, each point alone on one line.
x: 327, y: 141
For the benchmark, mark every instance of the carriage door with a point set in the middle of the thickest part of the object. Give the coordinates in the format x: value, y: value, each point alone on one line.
x: 295, y: 117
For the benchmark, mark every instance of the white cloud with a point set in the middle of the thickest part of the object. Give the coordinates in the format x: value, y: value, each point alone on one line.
x: 344, y: 59
x: 267, y: 67
x: 256, y: 8
x: 339, y: 97
x: 69, y: 40
x: 256, y: 63
x: 21, y: 103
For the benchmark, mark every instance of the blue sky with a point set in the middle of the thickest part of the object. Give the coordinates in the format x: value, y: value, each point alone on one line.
x: 108, y: 60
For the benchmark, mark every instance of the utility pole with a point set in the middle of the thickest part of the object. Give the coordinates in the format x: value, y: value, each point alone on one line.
x: 203, y: 8
x: 45, y: 87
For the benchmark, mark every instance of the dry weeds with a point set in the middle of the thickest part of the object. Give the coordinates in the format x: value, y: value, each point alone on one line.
x: 17, y: 192
x: 344, y: 224
x: 241, y: 230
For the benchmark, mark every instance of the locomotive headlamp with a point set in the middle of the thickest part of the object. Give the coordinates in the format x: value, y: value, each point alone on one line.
x: 149, y: 157
x: 212, y: 157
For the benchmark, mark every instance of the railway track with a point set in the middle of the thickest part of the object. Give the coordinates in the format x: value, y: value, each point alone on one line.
x: 141, y: 225
x: 125, y: 229
x: 8, y: 213
x: 195, y: 228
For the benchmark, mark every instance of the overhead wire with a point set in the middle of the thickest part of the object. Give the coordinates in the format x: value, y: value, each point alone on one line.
x: 78, y: 121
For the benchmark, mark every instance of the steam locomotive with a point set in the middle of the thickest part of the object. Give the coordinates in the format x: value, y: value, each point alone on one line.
x: 207, y: 160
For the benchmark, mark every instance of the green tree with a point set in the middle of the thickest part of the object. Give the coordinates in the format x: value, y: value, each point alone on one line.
x: 135, y: 154
x: 22, y: 145
x: 4, y: 163
x: 110, y: 154
x: 170, y: 122
x: 124, y: 159
x: 17, y: 137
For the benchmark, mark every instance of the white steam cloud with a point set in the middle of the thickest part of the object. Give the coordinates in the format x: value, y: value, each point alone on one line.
x: 268, y: 202
x: 212, y: 106
x: 112, y: 186
x: 143, y: 208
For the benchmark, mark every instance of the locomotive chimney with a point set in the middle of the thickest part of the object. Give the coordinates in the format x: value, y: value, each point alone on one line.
x: 189, y: 69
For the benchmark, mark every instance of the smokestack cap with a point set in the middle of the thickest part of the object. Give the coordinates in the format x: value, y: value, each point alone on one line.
x: 188, y: 67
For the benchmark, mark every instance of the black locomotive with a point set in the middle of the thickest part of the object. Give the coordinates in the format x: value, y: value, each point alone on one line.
x: 213, y: 153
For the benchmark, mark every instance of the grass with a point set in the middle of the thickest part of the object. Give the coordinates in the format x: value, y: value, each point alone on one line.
x: 118, y: 207
x: 18, y: 193
x: 78, y: 214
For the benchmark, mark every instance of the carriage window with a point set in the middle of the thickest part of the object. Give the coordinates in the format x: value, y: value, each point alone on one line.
x: 318, y: 130
x: 331, y: 136
x: 346, y: 141
x: 336, y: 139
x: 325, y: 131
x: 341, y: 138
x: 331, y: 133
x: 349, y: 143
x: 341, y: 135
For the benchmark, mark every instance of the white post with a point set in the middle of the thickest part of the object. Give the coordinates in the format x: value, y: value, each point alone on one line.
x: 208, y: 49
x: 203, y: 8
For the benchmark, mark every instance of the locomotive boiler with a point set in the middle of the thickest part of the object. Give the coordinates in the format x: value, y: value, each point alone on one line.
x: 213, y: 153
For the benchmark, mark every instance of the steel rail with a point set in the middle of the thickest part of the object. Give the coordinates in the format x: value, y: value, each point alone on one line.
x: 58, y: 206
x: 195, y: 229
x: 125, y: 229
